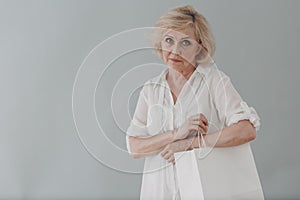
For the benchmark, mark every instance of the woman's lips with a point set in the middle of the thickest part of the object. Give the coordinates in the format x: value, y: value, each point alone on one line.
x: 174, y: 60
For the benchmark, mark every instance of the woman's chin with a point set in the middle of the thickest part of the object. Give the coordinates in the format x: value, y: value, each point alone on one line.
x: 175, y: 64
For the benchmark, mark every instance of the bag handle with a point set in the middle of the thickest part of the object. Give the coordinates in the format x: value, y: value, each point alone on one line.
x: 201, y: 142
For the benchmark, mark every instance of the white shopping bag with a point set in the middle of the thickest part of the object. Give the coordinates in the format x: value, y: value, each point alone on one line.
x: 223, y: 173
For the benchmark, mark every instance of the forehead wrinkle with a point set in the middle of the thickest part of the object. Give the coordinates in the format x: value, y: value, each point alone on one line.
x: 184, y: 36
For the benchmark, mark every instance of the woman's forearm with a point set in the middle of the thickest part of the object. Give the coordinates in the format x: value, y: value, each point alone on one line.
x: 233, y: 135
x: 141, y: 146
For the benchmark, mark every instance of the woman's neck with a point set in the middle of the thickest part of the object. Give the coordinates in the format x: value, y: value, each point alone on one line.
x: 179, y: 76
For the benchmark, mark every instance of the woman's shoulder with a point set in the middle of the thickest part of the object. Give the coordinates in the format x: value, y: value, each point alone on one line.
x: 215, y: 75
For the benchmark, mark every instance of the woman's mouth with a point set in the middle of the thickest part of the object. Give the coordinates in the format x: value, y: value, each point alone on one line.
x: 174, y: 60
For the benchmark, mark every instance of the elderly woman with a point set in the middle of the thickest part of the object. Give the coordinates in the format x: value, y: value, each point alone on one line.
x: 190, y: 96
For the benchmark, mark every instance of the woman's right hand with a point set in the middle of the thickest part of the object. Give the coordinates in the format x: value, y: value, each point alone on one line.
x: 194, y: 123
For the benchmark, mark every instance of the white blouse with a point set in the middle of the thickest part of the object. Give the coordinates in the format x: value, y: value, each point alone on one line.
x: 208, y: 91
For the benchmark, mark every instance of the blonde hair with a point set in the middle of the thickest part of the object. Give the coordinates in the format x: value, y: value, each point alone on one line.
x: 182, y: 17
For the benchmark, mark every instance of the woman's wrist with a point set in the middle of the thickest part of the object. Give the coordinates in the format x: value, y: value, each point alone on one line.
x: 196, y: 142
x: 190, y: 143
x: 173, y: 134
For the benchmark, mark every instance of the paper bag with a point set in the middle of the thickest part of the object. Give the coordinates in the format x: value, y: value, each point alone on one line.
x: 223, y: 173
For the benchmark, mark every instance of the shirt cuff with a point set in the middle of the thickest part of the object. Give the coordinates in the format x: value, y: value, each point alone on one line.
x: 246, y: 112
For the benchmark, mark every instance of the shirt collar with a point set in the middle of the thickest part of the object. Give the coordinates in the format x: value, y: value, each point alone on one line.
x: 161, y: 79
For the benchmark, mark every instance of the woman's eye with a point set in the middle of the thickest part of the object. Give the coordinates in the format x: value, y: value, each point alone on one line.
x: 169, y: 40
x: 186, y: 42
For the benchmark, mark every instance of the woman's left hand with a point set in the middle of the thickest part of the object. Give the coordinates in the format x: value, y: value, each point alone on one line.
x: 182, y: 145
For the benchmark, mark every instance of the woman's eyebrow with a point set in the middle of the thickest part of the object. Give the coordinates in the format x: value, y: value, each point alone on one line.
x: 180, y: 38
x: 169, y: 35
x: 185, y: 38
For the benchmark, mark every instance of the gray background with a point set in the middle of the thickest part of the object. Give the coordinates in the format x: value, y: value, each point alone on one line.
x: 43, y: 43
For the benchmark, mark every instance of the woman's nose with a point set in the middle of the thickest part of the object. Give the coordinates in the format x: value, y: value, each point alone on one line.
x: 176, y: 49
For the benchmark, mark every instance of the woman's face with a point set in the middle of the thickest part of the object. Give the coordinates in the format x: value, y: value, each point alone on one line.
x: 179, y: 48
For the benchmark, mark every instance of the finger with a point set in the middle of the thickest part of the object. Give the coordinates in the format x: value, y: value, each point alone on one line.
x: 171, y: 159
x: 163, y: 152
x: 168, y: 155
x: 203, y: 118
x: 195, y: 117
x: 198, y: 128
x: 201, y: 124
x: 199, y: 117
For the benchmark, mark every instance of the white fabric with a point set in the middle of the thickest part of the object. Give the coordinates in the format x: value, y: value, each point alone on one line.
x: 208, y: 91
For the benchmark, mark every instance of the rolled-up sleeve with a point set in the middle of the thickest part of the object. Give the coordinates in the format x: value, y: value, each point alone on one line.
x: 230, y: 106
x: 138, y: 124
